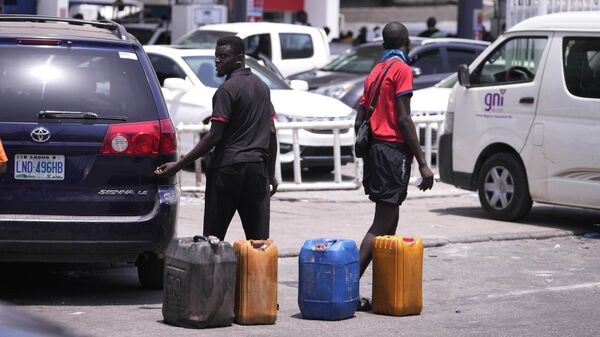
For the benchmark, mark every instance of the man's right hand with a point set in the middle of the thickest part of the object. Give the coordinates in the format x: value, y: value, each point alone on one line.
x: 167, y: 170
x: 427, y: 176
x: 274, y: 183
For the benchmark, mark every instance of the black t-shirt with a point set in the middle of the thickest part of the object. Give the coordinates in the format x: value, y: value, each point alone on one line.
x: 243, y: 102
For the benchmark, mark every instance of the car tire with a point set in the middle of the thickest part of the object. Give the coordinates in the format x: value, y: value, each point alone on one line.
x: 503, y: 188
x: 150, y: 270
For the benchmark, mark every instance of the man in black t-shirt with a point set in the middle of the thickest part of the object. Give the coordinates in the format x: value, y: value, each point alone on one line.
x: 242, y: 165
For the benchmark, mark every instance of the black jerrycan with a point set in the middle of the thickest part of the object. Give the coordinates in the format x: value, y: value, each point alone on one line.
x: 199, y: 284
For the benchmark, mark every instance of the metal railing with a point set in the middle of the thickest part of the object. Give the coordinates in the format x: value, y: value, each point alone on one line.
x: 338, y: 183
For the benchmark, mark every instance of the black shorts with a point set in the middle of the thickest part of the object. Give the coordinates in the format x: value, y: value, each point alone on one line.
x: 387, y: 172
x: 242, y: 187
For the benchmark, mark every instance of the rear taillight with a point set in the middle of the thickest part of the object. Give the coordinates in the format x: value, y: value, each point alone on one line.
x: 168, y: 137
x: 140, y: 138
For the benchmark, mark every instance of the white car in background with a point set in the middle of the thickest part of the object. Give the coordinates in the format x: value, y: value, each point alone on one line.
x: 432, y: 101
x: 189, y: 81
x: 291, y: 48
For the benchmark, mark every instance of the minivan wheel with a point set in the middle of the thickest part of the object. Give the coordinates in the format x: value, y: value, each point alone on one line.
x: 150, y: 270
x: 503, y: 189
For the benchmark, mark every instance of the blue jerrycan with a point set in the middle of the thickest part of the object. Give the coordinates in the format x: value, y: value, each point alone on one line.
x: 329, y: 279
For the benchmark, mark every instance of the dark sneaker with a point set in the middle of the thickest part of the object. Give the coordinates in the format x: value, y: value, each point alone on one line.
x: 363, y: 304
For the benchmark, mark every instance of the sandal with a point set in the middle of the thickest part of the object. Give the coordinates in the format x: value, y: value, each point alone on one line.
x: 363, y: 304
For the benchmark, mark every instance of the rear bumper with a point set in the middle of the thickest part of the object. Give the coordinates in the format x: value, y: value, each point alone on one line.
x: 447, y: 174
x: 89, y: 239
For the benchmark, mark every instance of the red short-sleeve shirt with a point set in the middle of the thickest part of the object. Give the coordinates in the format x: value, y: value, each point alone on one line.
x: 397, y: 82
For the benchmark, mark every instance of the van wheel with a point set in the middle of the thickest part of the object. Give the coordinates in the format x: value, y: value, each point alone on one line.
x: 503, y: 189
x: 150, y: 270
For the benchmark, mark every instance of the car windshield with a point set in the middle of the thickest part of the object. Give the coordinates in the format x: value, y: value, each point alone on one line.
x: 448, y: 82
x: 204, y: 39
x: 357, y: 60
x: 204, y: 68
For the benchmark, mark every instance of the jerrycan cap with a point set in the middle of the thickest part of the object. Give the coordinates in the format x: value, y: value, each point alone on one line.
x: 260, y: 244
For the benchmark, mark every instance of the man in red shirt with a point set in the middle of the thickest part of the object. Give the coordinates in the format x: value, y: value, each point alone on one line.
x: 394, y: 140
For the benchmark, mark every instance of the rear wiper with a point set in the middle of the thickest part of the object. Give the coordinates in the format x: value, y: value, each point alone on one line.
x: 77, y: 115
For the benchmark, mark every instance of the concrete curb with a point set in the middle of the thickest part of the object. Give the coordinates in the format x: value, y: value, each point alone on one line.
x: 432, y: 243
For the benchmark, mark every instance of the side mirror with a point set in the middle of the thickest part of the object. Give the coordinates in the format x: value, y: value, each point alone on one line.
x: 464, y: 78
x: 174, y: 83
x: 416, y: 71
x: 299, y: 85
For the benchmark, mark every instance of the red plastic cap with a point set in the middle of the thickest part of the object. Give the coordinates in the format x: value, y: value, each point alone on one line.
x: 408, y: 239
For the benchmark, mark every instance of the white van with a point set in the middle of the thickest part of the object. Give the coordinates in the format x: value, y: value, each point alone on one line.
x: 291, y: 48
x: 523, y: 124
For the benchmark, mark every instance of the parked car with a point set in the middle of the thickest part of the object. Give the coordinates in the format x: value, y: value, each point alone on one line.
x: 84, y: 125
x: 189, y: 82
x: 291, y: 48
x: 523, y: 125
x: 150, y: 32
x: 433, y: 60
x: 432, y: 101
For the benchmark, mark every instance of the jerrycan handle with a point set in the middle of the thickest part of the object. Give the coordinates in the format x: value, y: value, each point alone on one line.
x: 409, y: 240
x: 213, y: 240
x: 324, y: 245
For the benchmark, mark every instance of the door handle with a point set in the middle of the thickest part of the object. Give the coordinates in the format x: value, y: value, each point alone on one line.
x: 526, y: 100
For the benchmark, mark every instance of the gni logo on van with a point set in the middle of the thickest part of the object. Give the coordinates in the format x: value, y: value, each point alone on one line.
x: 494, y: 100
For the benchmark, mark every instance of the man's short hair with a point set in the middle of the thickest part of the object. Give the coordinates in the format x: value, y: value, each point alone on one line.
x: 395, y: 35
x: 431, y: 22
x: 234, y: 42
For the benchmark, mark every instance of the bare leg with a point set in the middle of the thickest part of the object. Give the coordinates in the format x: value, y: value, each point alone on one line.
x: 385, y: 222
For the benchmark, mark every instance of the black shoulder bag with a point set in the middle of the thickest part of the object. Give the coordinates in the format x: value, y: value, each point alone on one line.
x: 363, y: 134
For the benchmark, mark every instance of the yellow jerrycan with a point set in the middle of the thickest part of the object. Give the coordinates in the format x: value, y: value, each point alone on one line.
x: 397, y: 275
x: 256, y: 282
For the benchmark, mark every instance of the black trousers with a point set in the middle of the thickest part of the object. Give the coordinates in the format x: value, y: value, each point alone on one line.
x: 242, y: 187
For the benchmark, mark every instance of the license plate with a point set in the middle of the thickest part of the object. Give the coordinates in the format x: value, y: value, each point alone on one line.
x: 39, y: 167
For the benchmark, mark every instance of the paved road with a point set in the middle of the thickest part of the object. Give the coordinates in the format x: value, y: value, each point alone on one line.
x: 481, y: 277
x: 510, y: 288
x: 442, y: 215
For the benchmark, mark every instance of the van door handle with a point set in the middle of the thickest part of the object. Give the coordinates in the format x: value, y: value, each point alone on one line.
x: 526, y: 100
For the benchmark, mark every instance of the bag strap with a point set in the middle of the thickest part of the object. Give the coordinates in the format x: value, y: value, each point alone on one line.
x: 376, y: 94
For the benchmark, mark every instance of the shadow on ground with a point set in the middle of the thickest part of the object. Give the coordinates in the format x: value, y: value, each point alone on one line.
x: 74, y: 284
x: 579, y: 221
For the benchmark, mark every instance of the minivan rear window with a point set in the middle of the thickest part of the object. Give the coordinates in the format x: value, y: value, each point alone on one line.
x: 105, y: 82
x: 581, y: 64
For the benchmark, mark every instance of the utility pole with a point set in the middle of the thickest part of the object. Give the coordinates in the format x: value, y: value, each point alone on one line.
x: 469, y: 11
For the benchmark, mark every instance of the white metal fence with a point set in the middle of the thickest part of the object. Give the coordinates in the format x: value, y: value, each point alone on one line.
x: 427, y: 124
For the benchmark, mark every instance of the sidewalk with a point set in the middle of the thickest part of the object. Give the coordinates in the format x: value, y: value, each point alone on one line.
x: 441, y: 216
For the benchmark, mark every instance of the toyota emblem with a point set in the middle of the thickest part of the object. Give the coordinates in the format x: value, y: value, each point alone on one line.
x: 40, y: 135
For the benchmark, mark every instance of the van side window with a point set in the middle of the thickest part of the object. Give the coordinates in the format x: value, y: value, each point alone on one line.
x: 165, y: 68
x: 581, y: 65
x: 515, y: 61
x: 296, y: 46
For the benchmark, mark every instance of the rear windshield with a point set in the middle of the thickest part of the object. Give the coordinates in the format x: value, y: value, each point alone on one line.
x: 204, y: 39
x: 105, y: 82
